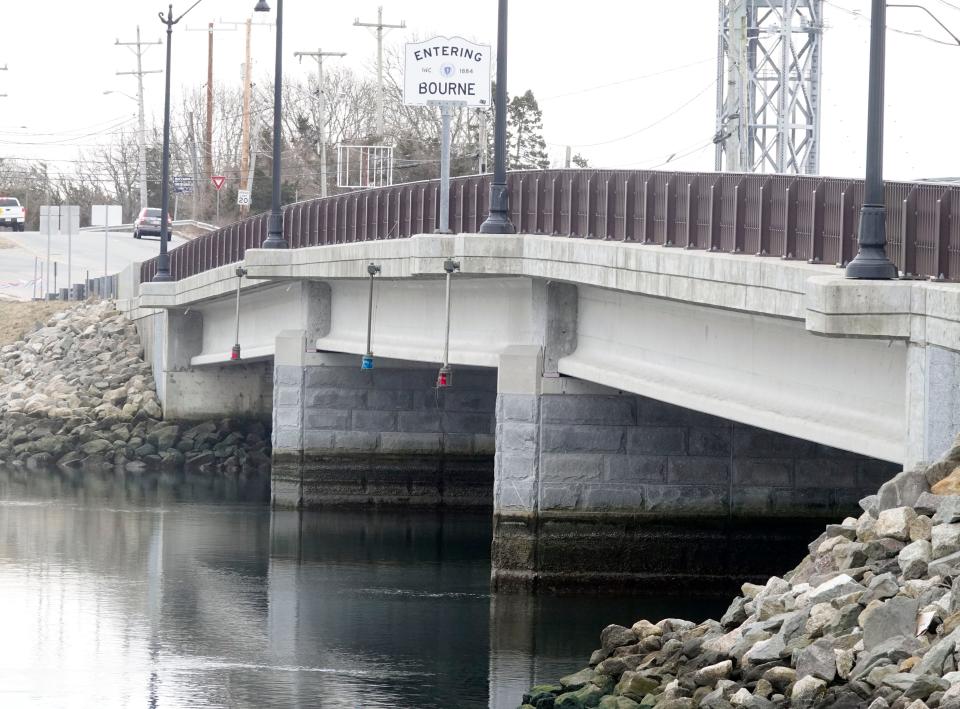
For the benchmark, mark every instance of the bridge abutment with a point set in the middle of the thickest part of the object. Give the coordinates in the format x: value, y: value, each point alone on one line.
x: 387, y: 436
x: 188, y: 392
x: 600, y: 488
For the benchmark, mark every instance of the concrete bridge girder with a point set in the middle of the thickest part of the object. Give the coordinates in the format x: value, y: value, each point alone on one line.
x: 725, y: 334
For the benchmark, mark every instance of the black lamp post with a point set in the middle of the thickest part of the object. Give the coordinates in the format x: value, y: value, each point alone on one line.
x: 871, y: 261
x: 275, y: 238
x: 163, y: 261
x: 498, y: 220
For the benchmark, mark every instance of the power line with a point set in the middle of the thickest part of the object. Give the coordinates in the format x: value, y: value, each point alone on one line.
x: 65, y: 141
x: 950, y: 5
x: 646, y: 127
x: 916, y: 33
x: 641, y: 77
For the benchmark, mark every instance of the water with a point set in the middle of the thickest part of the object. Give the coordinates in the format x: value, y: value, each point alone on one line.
x: 169, y: 591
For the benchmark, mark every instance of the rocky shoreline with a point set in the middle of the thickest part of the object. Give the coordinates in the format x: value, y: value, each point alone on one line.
x: 77, y: 394
x: 869, y: 618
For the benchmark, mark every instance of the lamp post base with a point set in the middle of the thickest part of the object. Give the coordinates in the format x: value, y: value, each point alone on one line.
x: 871, y: 262
x: 163, y: 266
x: 275, y: 238
x: 871, y: 266
x: 498, y: 220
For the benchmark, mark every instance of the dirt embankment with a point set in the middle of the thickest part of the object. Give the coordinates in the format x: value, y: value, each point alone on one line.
x: 19, y: 318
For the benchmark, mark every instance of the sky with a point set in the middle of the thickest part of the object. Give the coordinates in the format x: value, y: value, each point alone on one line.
x: 626, y: 84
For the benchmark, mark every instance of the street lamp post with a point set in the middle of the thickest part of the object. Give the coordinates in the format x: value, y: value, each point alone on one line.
x: 871, y: 261
x: 498, y: 220
x: 275, y: 238
x: 163, y: 261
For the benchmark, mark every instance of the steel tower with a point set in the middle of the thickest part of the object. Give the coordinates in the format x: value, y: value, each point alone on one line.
x: 768, y: 86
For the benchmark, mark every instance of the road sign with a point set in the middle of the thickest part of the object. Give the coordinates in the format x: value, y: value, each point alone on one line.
x: 447, y: 69
x: 243, y: 198
x: 106, y: 215
x: 182, y: 184
x: 218, y: 181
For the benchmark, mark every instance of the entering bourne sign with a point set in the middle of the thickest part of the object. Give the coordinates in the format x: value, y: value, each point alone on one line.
x: 447, y: 69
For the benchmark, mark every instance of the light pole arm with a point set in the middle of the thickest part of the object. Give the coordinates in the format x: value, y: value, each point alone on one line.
x: 934, y: 17
x: 171, y: 22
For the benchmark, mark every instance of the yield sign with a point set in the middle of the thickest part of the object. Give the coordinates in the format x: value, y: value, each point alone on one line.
x: 218, y: 181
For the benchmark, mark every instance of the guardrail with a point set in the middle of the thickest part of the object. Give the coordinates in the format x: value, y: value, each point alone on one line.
x: 792, y: 217
x: 129, y: 227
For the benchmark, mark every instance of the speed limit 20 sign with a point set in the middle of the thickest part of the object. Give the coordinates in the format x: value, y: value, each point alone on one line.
x: 243, y: 198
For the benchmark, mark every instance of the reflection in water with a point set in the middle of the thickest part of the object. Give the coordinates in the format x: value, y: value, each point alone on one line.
x: 178, y: 591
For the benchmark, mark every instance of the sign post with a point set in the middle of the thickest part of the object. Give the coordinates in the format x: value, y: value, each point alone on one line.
x: 106, y: 215
x: 218, y: 181
x: 448, y: 72
x: 182, y: 184
x: 446, y: 112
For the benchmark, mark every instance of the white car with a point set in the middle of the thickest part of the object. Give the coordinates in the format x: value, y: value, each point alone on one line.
x: 12, y: 214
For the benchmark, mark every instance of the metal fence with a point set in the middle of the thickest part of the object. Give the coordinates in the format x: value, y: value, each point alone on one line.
x: 792, y: 217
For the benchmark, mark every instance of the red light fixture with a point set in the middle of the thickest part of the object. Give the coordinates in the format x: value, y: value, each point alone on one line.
x: 444, y: 377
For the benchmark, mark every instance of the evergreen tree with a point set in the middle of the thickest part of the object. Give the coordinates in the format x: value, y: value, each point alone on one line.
x: 526, y: 148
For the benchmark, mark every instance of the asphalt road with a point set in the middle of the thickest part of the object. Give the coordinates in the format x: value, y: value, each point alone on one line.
x: 22, y: 252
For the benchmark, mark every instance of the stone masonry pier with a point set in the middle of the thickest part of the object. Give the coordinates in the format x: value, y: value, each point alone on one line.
x: 600, y: 488
x: 346, y: 436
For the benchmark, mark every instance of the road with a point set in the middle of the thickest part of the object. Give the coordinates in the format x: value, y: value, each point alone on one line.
x: 21, y: 253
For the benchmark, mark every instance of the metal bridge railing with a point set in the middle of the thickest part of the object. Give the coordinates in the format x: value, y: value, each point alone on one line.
x: 793, y: 217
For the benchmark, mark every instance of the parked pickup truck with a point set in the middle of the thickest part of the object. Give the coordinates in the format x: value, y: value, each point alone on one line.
x: 12, y: 214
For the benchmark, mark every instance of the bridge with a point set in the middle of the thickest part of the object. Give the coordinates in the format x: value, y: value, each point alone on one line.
x: 664, y: 359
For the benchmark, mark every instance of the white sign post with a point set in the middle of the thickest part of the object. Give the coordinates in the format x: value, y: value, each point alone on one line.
x: 448, y: 72
x: 106, y: 215
x: 72, y: 213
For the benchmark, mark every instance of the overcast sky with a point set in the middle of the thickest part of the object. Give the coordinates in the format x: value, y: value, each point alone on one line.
x: 61, y: 58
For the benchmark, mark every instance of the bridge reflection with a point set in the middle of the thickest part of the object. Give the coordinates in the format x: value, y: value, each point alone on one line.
x: 188, y: 590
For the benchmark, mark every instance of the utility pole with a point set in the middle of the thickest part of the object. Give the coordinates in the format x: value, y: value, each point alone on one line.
x: 142, y: 133
x: 245, y: 123
x: 193, y: 155
x: 247, y: 91
x: 322, y: 111
x: 379, y: 26
x: 208, y: 132
x: 254, y: 147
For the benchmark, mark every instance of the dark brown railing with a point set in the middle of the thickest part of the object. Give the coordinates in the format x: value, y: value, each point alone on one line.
x: 809, y: 218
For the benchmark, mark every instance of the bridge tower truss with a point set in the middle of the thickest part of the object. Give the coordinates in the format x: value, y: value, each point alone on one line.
x: 768, y: 86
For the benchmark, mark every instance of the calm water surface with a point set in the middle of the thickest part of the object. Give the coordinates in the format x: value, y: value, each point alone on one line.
x: 167, y: 591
